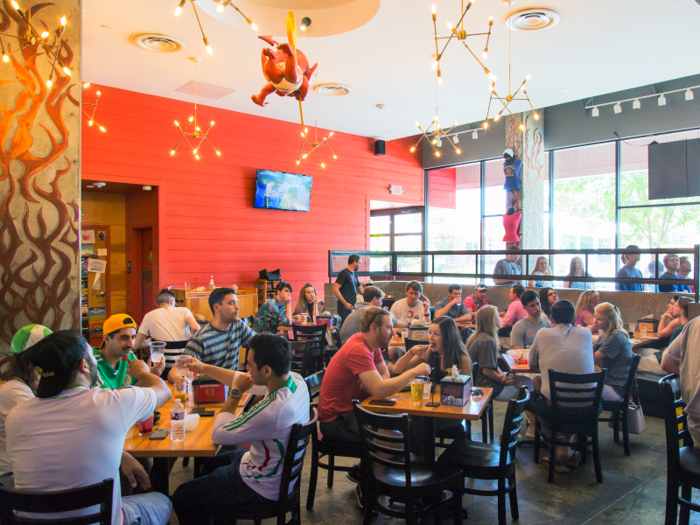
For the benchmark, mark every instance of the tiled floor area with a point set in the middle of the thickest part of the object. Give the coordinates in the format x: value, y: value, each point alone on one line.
x: 633, y: 491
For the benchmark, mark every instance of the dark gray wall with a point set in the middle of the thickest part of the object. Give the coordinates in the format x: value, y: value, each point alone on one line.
x: 571, y: 125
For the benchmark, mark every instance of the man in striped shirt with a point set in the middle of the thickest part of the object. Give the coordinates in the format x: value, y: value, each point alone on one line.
x: 218, y: 342
x: 250, y: 476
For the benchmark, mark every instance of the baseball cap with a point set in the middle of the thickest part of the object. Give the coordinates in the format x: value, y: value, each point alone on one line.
x: 481, y: 287
x: 509, y: 151
x: 28, y: 336
x: 117, y: 322
x: 54, y: 358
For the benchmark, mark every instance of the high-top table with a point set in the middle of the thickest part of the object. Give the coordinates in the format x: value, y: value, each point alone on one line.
x: 471, y: 411
x: 197, y: 444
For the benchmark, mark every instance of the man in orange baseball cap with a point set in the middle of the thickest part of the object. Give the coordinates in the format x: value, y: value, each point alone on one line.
x: 116, y: 354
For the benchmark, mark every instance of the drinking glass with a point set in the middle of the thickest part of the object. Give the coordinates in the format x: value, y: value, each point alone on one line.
x: 157, y: 351
x: 632, y: 326
x: 417, y: 392
x: 146, y: 427
x: 304, y: 318
x: 643, y: 329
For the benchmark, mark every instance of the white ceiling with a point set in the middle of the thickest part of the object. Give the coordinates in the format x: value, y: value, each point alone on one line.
x: 600, y: 46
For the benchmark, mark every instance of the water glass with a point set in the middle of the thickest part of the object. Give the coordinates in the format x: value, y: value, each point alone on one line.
x: 304, y: 318
x: 157, y: 351
x: 632, y: 326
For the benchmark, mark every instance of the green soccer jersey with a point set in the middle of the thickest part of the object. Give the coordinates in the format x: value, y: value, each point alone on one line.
x: 108, y: 376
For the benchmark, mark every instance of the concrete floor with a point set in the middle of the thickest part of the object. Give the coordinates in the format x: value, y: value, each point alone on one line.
x: 633, y: 491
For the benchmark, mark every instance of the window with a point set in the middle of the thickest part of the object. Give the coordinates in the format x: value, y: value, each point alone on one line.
x: 586, y: 243
x: 602, y: 244
x: 400, y: 230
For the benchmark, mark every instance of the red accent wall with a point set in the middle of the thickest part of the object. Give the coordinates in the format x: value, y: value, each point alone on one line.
x: 206, y: 220
x: 443, y: 188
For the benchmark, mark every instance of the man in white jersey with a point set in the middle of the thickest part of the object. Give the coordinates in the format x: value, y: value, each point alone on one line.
x: 72, y: 436
x: 248, y: 476
x: 411, y: 309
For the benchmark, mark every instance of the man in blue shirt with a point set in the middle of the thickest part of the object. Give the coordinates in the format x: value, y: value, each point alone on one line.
x: 672, y: 263
x: 628, y: 271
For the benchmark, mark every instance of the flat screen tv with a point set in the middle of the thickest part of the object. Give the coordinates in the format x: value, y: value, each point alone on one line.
x: 282, y: 191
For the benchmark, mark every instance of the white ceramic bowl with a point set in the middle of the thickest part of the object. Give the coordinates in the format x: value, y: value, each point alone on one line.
x: 191, y: 421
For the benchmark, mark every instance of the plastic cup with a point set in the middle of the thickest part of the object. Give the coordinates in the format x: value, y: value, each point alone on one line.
x: 643, y: 329
x: 146, y: 427
x: 632, y: 327
x: 157, y: 351
x: 304, y: 318
x: 417, y: 393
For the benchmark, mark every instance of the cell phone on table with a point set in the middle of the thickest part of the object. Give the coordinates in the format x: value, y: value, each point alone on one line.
x: 159, y: 433
x: 383, y: 402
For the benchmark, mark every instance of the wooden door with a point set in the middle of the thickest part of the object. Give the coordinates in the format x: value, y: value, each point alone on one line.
x: 148, y: 292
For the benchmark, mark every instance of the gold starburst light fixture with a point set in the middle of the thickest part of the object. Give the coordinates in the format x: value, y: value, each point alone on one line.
x: 91, y: 117
x: 315, y: 145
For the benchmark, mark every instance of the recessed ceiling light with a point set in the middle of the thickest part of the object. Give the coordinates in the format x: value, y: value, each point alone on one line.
x: 333, y: 90
x: 159, y: 43
x: 533, y: 19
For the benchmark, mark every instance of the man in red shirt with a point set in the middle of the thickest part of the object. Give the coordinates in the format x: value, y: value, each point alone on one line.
x: 477, y: 299
x: 358, y: 371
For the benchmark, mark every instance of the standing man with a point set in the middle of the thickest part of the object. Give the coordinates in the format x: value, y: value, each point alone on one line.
x: 347, y: 287
x: 72, y: 435
x: 507, y: 266
x: 525, y: 330
x: 452, y: 305
x: 686, y: 269
x: 477, y: 299
x: 411, y: 308
x: 628, y: 271
x: 115, y: 355
x: 276, y: 312
x: 249, y: 476
x: 682, y: 358
x: 218, y: 342
x: 672, y: 264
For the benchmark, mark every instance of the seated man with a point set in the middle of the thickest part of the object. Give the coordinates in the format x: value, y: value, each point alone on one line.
x: 218, y: 342
x: 507, y: 266
x: 72, y: 436
x: 515, y: 311
x: 652, y: 358
x: 452, y: 305
x: 477, y: 299
x: 563, y: 348
x: 524, y: 332
x: 372, y: 296
x: 629, y: 271
x: 411, y: 309
x: 115, y: 355
x: 683, y: 358
x: 249, y: 476
x: 276, y: 312
x: 672, y: 264
x: 168, y: 323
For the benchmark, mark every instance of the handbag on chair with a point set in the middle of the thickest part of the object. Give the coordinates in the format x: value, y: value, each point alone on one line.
x: 635, y: 419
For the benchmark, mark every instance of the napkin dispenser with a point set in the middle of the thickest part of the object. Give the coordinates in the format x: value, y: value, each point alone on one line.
x: 455, y: 390
x: 207, y: 390
x: 326, y: 319
x: 651, y: 324
x: 418, y: 331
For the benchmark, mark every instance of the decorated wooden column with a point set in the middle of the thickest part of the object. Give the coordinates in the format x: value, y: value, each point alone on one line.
x: 528, y: 147
x: 40, y: 167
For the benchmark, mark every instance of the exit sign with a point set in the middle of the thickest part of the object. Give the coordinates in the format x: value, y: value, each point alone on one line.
x: 396, y: 190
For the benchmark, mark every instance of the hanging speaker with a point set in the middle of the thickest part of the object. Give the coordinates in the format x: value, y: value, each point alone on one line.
x: 379, y: 147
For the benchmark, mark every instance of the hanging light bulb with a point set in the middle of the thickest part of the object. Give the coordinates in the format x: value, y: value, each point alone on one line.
x: 486, y: 124
x: 435, y: 64
x: 413, y: 148
x: 178, y: 9
x: 450, y: 26
x: 63, y: 21
x: 194, y: 151
x: 177, y: 123
x: 172, y: 152
x: 5, y: 58
x: 689, y: 94
x: 218, y: 153
x: 220, y: 9
x: 44, y: 34
x: 206, y: 44
x: 433, y: 8
x: 636, y: 104
x: 459, y: 151
x: 191, y: 119
x: 86, y: 85
x: 102, y: 129
x: 662, y: 100
x: 253, y: 26
x: 437, y: 153
x: 90, y: 122
x: 498, y: 116
x: 49, y: 83
x: 485, y: 54
x: 522, y: 128
x: 66, y: 70
x: 15, y: 4
x: 196, y: 157
x: 537, y: 116
x: 595, y: 111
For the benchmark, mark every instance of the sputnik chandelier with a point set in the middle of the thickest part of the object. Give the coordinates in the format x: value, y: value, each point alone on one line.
x: 315, y: 145
x: 91, y: 117
x: 197, y: 133
x: 435, y: 135
x: 33, y: 37
x: 505, y: 101
x: 219, y: 9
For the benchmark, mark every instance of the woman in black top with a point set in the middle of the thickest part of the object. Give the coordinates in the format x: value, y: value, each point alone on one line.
x: 307, y: 303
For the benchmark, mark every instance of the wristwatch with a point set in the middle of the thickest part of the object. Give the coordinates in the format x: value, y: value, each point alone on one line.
x: 235, y: 392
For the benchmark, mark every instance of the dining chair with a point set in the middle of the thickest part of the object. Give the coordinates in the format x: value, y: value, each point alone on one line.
x: 414, y: 489
x: 290, y: 484
x: 489, y: 461
x: 323, y: 447
x: 618, y: 409
x: 487, y: 428
x: 682, y: 458
x: 312, y: 358
x: 575, y: 408
x: 98, y: 495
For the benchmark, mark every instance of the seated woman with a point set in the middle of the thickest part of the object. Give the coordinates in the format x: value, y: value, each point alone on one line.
x: 307, y: 303
x: 483, y: 349
x: 612, y: 350
x: 585, y: 306
x: 669, y: 321
x: 541, y: 268
x: 651, y: 357
x: 548, y: 296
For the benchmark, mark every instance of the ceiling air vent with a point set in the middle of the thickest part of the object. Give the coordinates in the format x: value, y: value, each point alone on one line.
x: 159, y: 43
x: 533, y: 19
x: 333, y: 90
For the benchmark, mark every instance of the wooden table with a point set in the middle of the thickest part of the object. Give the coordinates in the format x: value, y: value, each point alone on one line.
x: 289, y: 328
x: 638, y: 340
x: 470, y: 411
x: 197, y: 443
x: 517, y: 368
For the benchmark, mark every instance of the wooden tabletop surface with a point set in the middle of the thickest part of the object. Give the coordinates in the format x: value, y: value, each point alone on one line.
x: 197, y: 442
x: 471, y: 411
x: 289, y: 328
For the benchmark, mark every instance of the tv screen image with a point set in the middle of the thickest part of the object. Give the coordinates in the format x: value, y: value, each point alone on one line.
x: 282, y: 191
